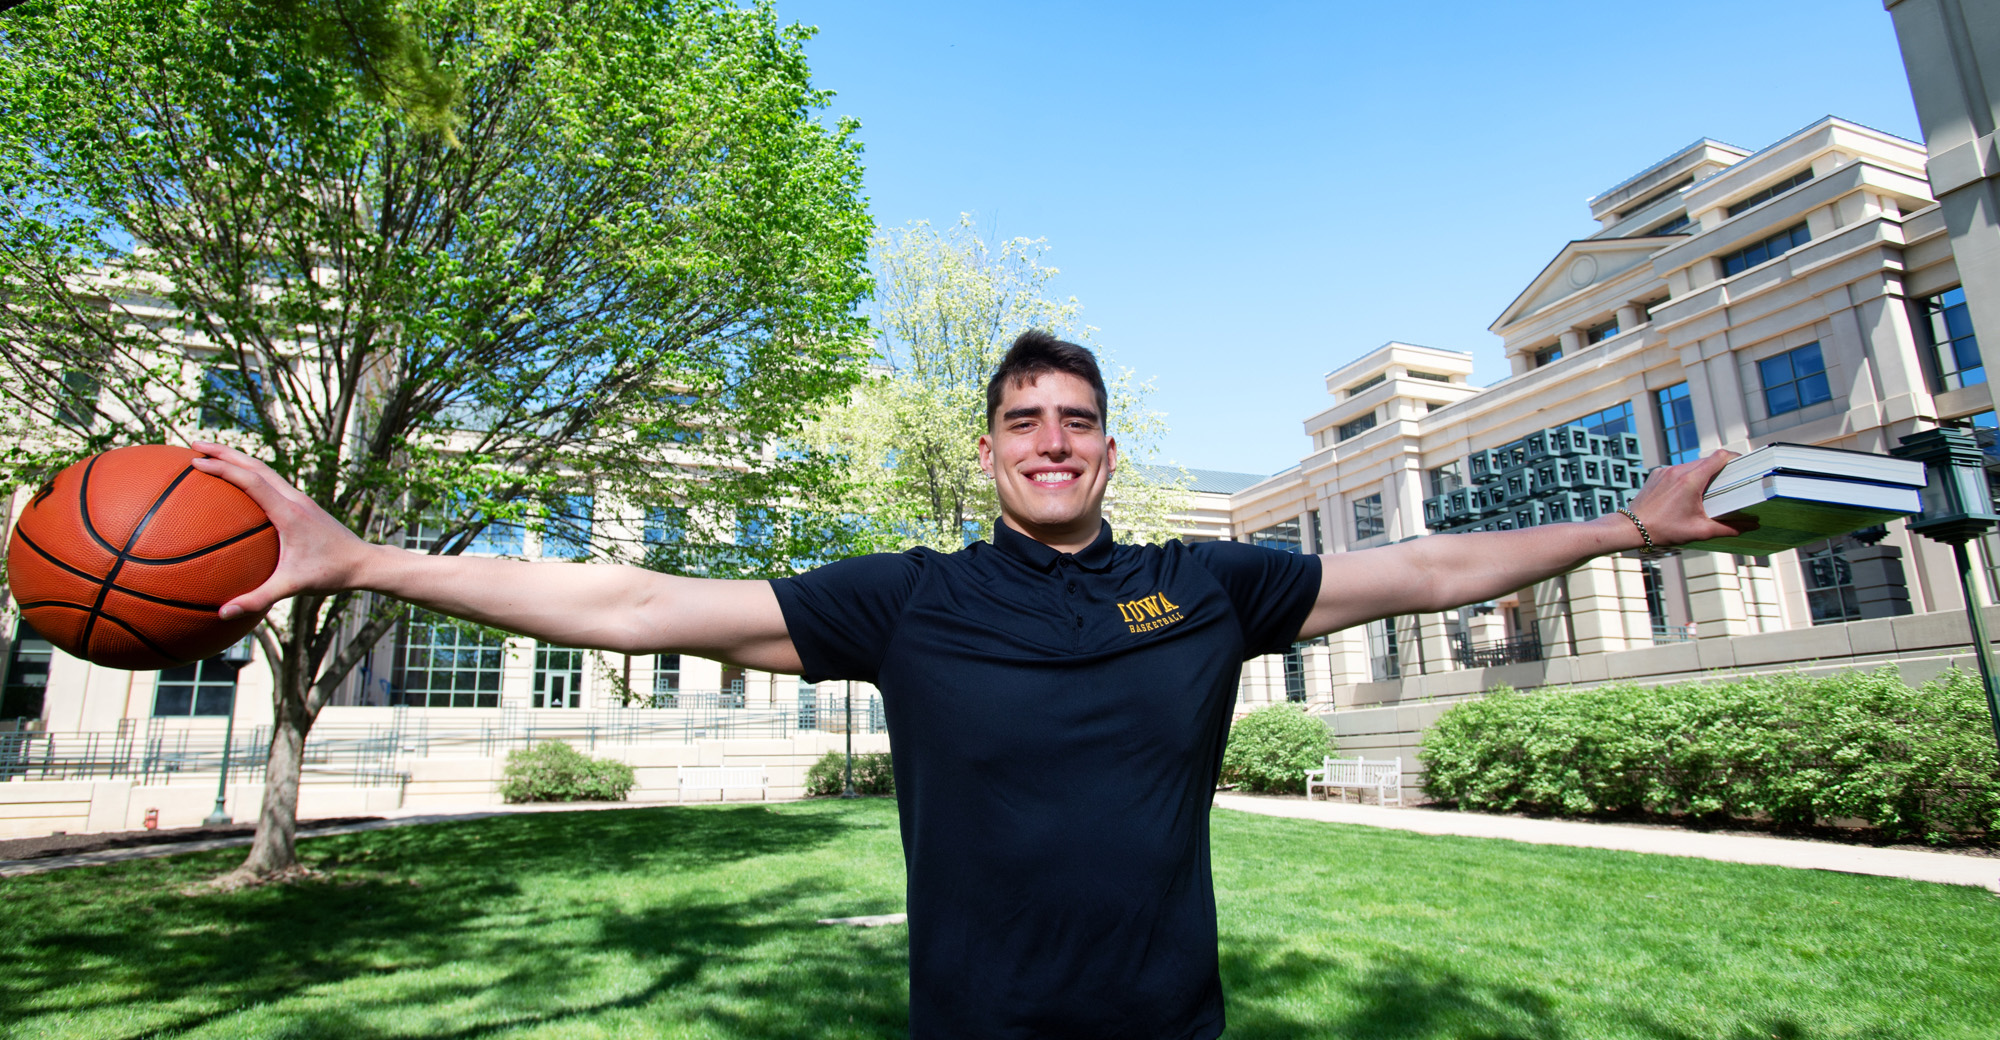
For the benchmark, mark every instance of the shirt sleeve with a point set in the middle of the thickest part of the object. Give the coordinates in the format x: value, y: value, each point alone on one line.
x: 842, y: 616
x: 1272, y: 590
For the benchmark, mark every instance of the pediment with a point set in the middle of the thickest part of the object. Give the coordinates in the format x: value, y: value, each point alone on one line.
x: 1580, y: 265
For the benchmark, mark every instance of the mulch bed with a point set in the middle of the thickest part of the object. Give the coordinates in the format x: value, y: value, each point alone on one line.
x: 77, y: 844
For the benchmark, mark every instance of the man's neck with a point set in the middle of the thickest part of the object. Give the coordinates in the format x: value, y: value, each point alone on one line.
x: 1069, y: 538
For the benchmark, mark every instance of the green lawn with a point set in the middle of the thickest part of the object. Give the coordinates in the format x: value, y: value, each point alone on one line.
x: 698, y: 923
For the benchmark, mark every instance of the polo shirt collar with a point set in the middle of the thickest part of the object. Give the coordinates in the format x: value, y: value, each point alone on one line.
x: 1093, y: 557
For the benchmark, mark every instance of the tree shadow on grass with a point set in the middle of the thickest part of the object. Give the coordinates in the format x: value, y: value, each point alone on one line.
x: 403, y: 904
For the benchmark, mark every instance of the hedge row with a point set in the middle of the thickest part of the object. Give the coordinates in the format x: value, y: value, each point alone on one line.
x: 556, y: 772
x: 1914, y: 762
x: 1271, y: 748
x: 873, y: 774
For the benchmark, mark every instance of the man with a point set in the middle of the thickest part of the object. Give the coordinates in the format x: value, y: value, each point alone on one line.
x: 1058, y: 703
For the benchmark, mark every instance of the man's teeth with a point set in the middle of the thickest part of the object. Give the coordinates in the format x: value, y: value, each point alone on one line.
x: 1054, y: 478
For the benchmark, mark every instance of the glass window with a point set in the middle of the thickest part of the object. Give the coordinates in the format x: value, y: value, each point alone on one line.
x: 1548, y: 355
x: 1447, y: 478
x: 78, y: 406
x: 1368, y: 516
x: 202, y: 688
x: 559, y: 677
x: 1609, y: 422
x: 1794, y: 379
x: 1677, y: 222
x: 1829, y: 584
x: 566, y: 526
x: 666, y: 680
x: 1769, y: 249
x: 229, y: 398
x: 27, y: 674
x: 1600, y: 333
x: 1758, y: 198
x: 1383, y: 659
x: 500, y: 538
x: 1282, y: 535
x: 1315, y: 532
x: 1655, y: 581
x: 1680, y: 441
x: 1295, y: 673
x: 1358, y: 426
x: 1367, y: 384
x: 1947, y: 326
x: 440, y: 663
x: 734, y: 683
x: 1435, y: 377
x: 665, y: 525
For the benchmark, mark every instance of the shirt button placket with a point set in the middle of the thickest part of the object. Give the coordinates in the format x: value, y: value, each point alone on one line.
x: 1069, y: 588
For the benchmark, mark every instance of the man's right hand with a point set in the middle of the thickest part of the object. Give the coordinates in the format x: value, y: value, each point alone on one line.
x: 316, y: 553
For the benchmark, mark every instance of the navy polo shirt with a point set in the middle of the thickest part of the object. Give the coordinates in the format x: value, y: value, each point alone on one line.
x: 1057, y: 723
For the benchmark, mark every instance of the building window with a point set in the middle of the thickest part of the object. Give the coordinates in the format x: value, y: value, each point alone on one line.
x: 1358, y: 426
x: 1548, y: 355
x: 1758, y: 198
x: 1367, y: 384
x: 1295, y: 673
x: 1656, y: 196
x: 1794, y: 379
x: 1609, y: 422
x: 440, y: 663
x: 566, y: 526
x: 1281, y: 535
x: 1679, y: 439
x: 1435, y: 377
x: 558, y: 677
x: 1948, y: 327
x: 1677, y: 222
x: 78, y: 406
x: 735, y: 683
x: 667, y: 673
x: 1601, y: 332
x: 1829, y: 584
x: 1447, y: 478
x: 202, y: 688
x: 1383, y: 660
x: 27, y: 674
x: 1368, y: 516
x: 1655, y: 582
x: 229, y: 398
x: 1314, y: 533
x: 1769, y: 249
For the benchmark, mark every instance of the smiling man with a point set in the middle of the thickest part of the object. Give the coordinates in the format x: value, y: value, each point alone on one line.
x: 1057, y: 702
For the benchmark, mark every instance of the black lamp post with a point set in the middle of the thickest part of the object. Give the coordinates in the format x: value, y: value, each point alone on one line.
x: 235, y: 658
x: 849, y: 792
x: 1957, y: 507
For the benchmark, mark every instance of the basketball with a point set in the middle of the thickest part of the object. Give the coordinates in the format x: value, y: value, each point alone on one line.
x: 124, y: 558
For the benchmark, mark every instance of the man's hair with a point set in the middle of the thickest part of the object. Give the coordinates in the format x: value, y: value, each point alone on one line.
x: 1036, y: 352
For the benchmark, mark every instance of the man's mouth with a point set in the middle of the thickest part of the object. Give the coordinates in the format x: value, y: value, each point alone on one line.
x: 1054, y: 477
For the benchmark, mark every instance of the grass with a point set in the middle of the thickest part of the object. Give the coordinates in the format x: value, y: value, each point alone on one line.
x: 698, y: 923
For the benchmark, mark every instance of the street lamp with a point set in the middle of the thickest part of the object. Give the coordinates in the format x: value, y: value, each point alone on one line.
x: 850, y: 792
x: 1957, y: 507
x: 234, y: 658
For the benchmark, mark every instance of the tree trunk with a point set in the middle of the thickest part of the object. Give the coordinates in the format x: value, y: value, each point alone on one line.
x: 275, y: 850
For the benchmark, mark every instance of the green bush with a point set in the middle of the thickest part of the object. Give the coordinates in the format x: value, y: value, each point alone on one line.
x: 1914, y: 762
x: 873, y: 774
x: 1271, y: 748
x: 555, y: 772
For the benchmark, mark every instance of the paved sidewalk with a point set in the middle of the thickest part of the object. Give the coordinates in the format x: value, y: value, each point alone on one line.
x: 1942, y: 867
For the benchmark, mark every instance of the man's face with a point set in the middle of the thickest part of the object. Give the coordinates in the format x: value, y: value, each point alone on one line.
x: 1050, y: 459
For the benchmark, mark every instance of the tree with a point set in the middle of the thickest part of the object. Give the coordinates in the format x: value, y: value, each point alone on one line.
x: 948, y: 307
x: 632, y: 273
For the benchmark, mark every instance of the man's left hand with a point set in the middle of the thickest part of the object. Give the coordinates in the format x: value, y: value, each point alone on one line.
x: 1670, y: 503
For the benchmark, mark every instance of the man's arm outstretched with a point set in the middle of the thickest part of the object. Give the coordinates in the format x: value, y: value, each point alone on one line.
x: 619, y: 608
x: 1444, y: 571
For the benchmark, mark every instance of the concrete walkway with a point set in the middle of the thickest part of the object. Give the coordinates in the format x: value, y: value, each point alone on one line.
x: 1942, y: 867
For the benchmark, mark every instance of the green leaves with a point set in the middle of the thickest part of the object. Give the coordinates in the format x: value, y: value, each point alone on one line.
x: 1915, y: 762
x: 1271, y: 748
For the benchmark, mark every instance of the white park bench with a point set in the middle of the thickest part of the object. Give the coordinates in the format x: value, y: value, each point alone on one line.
x: 1383, y: 776
x: 721, y: 779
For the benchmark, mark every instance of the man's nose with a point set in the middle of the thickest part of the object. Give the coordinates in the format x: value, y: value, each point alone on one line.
x: 1053, y: 442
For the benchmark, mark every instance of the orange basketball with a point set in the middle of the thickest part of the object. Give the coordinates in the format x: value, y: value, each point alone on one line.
x: 124, y: 558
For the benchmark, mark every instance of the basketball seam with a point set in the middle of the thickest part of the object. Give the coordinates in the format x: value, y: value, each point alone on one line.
x: 111, y: 577
x: 113, y: 618
x: 199, y: 553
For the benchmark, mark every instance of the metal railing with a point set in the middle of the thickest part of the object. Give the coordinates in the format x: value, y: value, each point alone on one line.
x: 174, y: 750
x: 1517, y: 650
x: 1672, y: 633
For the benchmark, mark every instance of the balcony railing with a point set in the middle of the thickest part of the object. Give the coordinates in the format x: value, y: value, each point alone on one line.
x: 1506, y: 651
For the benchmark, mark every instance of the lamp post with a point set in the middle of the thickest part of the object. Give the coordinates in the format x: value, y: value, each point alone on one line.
x: 849, y: 699
x: 235, y: 658
x: 1957, y: 507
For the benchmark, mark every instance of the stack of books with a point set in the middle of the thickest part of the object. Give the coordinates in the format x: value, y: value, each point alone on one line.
x: 1801, y: 494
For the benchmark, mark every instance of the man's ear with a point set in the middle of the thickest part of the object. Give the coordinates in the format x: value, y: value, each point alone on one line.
x: 1110, y: 455
x: 986, y: 454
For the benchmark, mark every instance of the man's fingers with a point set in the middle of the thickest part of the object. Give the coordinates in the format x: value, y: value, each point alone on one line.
x: 235, y: 459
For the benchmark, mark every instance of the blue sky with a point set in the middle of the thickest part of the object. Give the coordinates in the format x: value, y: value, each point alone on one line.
x: 1246, y: 196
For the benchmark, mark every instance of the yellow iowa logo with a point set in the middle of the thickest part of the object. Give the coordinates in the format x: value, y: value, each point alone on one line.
x: 1144, y: 615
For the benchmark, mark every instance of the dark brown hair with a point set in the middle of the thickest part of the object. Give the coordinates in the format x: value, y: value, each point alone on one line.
x: 1035, y: 352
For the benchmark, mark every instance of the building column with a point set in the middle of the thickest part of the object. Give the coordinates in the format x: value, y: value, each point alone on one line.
x: 1715, y: 595
x: 1552, y: 615
x: 1435, y: 632
x: 1598, y: 607
x: 1629, y: 318
x: 1347, y: 657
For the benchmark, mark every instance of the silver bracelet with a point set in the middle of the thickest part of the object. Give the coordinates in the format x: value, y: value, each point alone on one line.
x: 1644, y: 535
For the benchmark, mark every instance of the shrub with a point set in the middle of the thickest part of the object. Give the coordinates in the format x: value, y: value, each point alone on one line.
x: 873, y: 774
x: 1271, y: 748
x: 1914, y: 762
x: 555, y: 772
